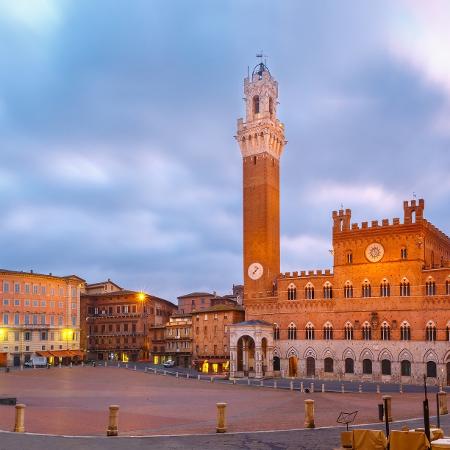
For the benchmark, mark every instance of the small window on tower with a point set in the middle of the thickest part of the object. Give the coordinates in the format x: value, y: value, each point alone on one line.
x: 404, y: 253
x: 256, y: 104
x: 349, y: 257
x: 254, y: 160
x: 270, y: 106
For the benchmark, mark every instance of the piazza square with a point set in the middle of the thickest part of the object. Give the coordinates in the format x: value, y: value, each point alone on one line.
x: 208, y: 245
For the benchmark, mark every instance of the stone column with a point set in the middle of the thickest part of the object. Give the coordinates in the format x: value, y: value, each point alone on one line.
x: 233, y: 361
x: 442, y: 396
x: 269, y: 362
x: 258, y: 362
x: 387, y: 402
x: 309, y: 414
x: 221, y: 418
x: 19, y: 425
x: 113, y: 428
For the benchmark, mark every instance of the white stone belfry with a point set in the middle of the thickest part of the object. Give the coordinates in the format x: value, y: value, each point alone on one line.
x: 261, y: 132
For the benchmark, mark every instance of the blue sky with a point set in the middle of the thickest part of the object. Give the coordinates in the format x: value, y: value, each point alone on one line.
x: 117, y: 122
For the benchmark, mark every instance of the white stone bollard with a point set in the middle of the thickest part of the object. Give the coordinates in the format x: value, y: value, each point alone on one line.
x: 291, y: 385
x: 309, y: 414
x: 106, y: 363
x: 248, y: 381
x: 126, y: 366
x: 135, y: 368
x: 198, y: 377
x: 145, y: 369
x: 21, y: 367
x: 82, y: 363
x: 113, y: 428
x: 118, y: 365
x: 261, y: 383
x: 275, y: 384
x: 301, y: 387
x: 187, y: 376
x: 311, y: 387
x: 401, y: 388
x: 221, y: 418
x: 342, y: 389
x: 164, y: 372
x: 378, y: 388
x: 176, y: 375
x: 360, y: 388
x: 211, y: 379
x: 234, y: 380
x: 323, y: 387
x: 19, y: 425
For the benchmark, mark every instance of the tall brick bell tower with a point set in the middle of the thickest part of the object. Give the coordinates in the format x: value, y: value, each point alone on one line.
x: 261, y: 140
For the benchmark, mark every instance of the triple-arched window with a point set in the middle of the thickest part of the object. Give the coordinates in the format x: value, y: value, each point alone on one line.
x: 327, y: 290
x: 348, y: 331
x: 366, y: 289
x: 430, y: 287
x: 385, y: 332
x: 292, y: 292
x: 405, y: 288
x: 366, y: 331
x: 309, y: 331
x: 328, y: 331
x: 348, y: 290
x: 292, y: 331
x: 309, y: 291
x: 385, y: 289
x: 405, y: 331
x: 430, y: 331
x: 276, y: 332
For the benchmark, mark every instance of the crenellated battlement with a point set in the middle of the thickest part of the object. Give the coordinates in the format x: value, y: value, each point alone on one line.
x: 307, y: 274
x: 413, y: 213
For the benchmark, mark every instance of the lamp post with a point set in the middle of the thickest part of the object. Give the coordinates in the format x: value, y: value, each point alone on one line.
x: 142, y: 297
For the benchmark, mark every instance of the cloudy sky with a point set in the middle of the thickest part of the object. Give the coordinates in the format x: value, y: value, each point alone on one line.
x: 117, y: 121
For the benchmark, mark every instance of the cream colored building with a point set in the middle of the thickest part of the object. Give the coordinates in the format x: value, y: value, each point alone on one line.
x: 39, y: 315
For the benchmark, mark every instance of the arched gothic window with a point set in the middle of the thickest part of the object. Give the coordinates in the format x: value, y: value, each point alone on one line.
x: 405, y: 289
x: 349, y: 256
x: 349, y: 365
x: 270, y: 106
x: 256, y: 104
x: 431, y: 331
x: 309, y: 291
x: 430, y: 288
x: 328, y: 331
x: 385, y: 289
x: 405, y: 332
x: 348, y: 331
x: 327, y: 291
x: 348, y: 290
x: 431, y: 369
x: 366, y: 289
x: 367, y: 366
x: 385, y: 367
x: 405, y: 368
x: 403, y: 253
x: 366, y: 332
x: 385, y: 332
x: 328, y: 365
x: 292, y: 292
x: 292, y: 332
x: 309, y: 331
x: 276, y: 332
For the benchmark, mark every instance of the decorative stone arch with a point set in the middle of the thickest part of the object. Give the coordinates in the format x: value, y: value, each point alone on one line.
x: 252, y: 338
x: 292, y: 351
x: 327, y: 284
x: 447, y: 357
x: 385, y: 354
x: 276, y: 352
x: 292, y: 286
x: 405, y: 323
x: 328, y: 353
x: 430, y: 355
x: 405, y: 354
x: 430, y: 323
x: 328, y: 324
x: 309, y: 285
x: 348, y: 353
x: 430, y: 278
x: 310, y: 353
x: 348, y: 324
x: 366, y: 354
x: 404, y: 280
x: 348, y: 283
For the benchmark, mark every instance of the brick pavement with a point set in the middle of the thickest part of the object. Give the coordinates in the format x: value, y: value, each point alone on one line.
x: 74, y: 401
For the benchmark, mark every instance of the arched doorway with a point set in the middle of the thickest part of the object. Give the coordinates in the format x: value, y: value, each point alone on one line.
x: 246, y: 355
x: 310, y: 366
x: 293, y: 366
x: 276, y: 363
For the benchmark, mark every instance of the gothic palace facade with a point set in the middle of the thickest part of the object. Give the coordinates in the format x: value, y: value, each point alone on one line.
x: 381, y: 314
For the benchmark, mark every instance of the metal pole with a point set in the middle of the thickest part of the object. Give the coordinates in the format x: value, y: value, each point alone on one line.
x: 437, y: 410
x: 426, y: 410
x: 386, y: 416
